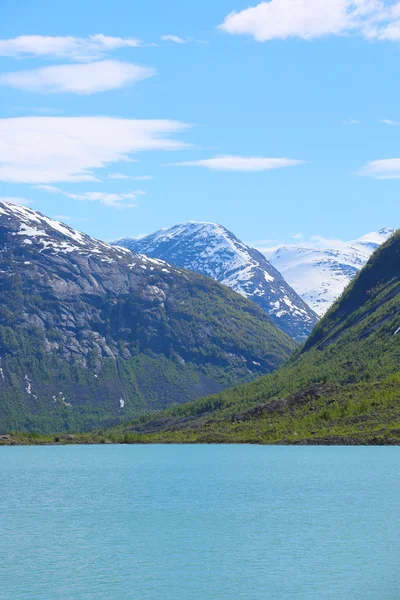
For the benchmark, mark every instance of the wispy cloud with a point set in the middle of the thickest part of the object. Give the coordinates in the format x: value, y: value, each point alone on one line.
x: 73, y: 48
x: 131, y: 177
x: 69, y: 219
x: 139, y: 236
x: 390, y: 122
x: 314, y: 242
x: 57, y: 149
x: 16, y: 200
x: 113, y: 200
x: 176, y: 39
x: 48, y: 188
x: 240, y: 163
x: 352, y: 122
x: 310, y: 19
x: 84, y: 79
x: 173, y: 38
x: 388, y: 168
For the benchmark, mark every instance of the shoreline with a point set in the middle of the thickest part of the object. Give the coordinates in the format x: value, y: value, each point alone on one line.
x: 332, y: 441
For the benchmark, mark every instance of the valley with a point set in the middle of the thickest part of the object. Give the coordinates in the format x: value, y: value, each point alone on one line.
x: 126, y: 347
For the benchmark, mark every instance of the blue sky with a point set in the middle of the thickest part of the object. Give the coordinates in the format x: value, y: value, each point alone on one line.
x: 301, y: 99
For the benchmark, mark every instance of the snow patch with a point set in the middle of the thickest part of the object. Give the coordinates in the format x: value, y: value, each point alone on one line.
x: 31, y: 231
x: 28, y: 387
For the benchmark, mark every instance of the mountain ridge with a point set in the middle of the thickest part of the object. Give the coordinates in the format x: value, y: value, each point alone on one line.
x: 213, y: 250
x: 92, y: 333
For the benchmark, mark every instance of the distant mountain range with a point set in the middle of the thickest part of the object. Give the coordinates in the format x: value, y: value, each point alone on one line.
x: 212, y: 250
x: 319, y: 276
x: 92, y: 333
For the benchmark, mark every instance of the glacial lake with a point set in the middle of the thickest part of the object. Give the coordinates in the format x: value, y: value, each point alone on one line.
x: 199, y: 523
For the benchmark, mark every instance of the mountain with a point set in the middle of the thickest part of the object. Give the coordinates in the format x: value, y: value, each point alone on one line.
x: 341, y: 387
x: 211, y: 249
x: 319, y: 276
x: 91, y: 333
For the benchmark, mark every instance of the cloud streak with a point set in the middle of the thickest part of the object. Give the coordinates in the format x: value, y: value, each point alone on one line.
x: 240, y: 163
x: 173, y: 38
x: 73, y: 48
x: 390, y: 123
x: 131, y: 177
x: 352, y: 122
x: 16, y: 200
x: 68, y: 218
x: 83, y: 79
x: 60, y: 149
x: 314, y: 242
x: 176, y: 39
x: 388, y: 168
x: 112, y: 200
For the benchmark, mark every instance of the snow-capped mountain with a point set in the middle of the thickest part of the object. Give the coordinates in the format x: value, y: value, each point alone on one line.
x: 319, y: 275
x: 91, y: 332
x: 211, y: 249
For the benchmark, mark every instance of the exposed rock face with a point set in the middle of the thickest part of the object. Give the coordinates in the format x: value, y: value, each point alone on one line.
x: 211, y: 249
x: 84, y: 324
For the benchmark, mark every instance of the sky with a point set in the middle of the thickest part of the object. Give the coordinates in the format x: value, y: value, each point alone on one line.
x: 278, y: 120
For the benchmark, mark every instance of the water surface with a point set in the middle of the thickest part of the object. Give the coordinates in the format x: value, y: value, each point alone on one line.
x: 199, y: 523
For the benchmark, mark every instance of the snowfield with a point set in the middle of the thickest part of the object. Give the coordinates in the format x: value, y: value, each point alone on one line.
x: 319, y: 276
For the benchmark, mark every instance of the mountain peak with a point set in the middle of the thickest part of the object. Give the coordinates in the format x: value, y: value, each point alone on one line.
x: 213, y: 250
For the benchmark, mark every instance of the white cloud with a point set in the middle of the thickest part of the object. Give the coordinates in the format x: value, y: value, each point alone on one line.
x: 48, y: 188
x: 297, y: 236
x: 84, y: 79
x: 67, y: 218
x: 388, y: 168
x: 390, y: 122
x: 309, y: 19
x: 352, y: 122
x: 82, y: 49
x: 176, y: 39
x: 173, y: 38
x: 240, y: 163
x: 131, y: 177
x: 55, y: 149
x: 316, y: 242
x: 319, y: 241
x: 113, y: 200
x: 16, y: 200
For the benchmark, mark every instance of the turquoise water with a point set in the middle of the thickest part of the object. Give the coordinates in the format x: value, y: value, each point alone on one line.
x: 199, y: 523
